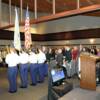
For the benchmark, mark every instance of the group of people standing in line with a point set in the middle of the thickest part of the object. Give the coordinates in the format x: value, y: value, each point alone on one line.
x: 34, y: 60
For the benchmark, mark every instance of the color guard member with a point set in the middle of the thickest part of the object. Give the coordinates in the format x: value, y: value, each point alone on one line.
x: 12, y: 60
x: 33, y: 67
x: 41, y: 59
x: 23, y: 59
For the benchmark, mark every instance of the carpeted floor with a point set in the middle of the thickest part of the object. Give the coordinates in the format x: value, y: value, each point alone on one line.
x: 38, y: 92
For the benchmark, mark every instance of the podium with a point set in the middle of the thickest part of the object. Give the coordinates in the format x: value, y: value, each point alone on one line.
x: 88, y: 71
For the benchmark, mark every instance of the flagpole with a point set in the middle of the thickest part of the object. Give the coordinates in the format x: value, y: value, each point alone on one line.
x: 54, y: 9
x: 35, y: 8
x: 0, y: 12
x: 78, y: 4
x: 9, y: 11
x: 21, y: 10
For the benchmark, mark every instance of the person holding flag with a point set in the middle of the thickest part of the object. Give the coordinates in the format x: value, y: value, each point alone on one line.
x: 23, y: 68
x: 23, y: 56
x: 12, y: 59
x: 28, y: 43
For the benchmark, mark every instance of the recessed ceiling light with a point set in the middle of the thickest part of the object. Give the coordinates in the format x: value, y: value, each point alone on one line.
x: 92, y: 41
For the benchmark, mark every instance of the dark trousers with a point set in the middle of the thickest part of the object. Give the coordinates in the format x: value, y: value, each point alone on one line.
x: 33, y: 73
x: 12, y: 78
x: 24, y: 75
x: 41, y: 72
x: 45, y: 69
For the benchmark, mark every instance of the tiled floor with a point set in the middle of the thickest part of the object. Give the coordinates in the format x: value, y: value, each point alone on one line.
x: 81, y: 94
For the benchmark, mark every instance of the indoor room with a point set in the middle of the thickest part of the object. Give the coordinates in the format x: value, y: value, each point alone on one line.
x: 49, y: 49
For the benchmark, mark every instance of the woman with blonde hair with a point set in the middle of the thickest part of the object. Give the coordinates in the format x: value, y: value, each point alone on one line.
x: 12, y: 60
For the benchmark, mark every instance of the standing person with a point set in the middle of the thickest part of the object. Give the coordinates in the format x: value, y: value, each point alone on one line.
x: 98, y: 52
x: 59, y: 57
x: 4, y: 53
x: 74, y: 60
x: 12, y: 60
x: 80, y: 50
x: 53, y: 62
x: 23, y: 67
x: 68, y: 58
x: 68, y: 54
x: 33, y: 67
x: 41, y: 58
x: 93, y: 50
x: 48, y: 54
x: 44, y: 50
x: 1, y: 60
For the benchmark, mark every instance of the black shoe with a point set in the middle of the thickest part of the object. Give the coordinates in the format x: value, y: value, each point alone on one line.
x: 40, y: 81
x: 33, y: 84
x: 23, y: 86
x: 69, y: 77
x: 12, y: 91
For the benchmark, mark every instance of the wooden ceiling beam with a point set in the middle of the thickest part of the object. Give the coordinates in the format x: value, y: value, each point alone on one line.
x: 60, y: 15
x: 67, y: 14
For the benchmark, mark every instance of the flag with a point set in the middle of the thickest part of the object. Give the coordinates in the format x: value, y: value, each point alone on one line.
x: 17, y: 42
x: 28, y: 40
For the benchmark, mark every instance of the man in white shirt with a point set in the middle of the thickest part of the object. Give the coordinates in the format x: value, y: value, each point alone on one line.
x: 41, y: 59
x: 12, y: 60
x: 33, y: 67
x: 23, y: 67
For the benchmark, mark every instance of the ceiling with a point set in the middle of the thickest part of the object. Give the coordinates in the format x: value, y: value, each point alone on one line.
x: 45, y: 6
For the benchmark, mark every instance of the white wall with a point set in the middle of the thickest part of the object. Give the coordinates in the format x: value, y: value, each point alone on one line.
x: 69, y: 24
x: 85, y: 42
x: 5, y: 14
x: 10, y: 42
